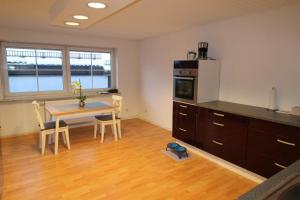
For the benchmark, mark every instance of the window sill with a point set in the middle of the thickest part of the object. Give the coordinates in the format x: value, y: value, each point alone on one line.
x: 52, y: 97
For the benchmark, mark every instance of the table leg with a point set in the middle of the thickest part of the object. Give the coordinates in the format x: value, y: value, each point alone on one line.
x: 67, y: 138
x: 56, y: 135
x: 114, y: 125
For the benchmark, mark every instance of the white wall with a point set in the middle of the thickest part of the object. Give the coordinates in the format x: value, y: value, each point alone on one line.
x: 19, y: 118
x: 256, y: 52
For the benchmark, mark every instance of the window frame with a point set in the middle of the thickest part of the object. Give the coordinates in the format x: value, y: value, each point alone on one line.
x: 93, y: 50
x: 5, y: 94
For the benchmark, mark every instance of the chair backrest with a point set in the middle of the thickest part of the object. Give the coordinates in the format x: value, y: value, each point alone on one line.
x: 36, y: 106
x: 117, y: 102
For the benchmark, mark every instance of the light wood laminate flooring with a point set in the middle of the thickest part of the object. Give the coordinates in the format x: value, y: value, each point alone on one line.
x: 132, y: 168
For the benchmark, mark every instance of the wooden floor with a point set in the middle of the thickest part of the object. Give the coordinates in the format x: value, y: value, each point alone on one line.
x: 132, y: 168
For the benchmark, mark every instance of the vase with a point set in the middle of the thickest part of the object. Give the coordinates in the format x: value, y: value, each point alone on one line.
x: 81, y: 103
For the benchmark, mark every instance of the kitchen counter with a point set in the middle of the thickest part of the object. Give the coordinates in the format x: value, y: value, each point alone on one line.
x: 273, y: 184
x: 253, y: 112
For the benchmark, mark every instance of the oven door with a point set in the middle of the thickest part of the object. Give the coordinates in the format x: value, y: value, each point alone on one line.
x: 185, y: 89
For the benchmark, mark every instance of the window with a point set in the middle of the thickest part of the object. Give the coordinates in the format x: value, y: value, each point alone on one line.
x: 34, y: 70
x: 93, y: 69
x: 43, y: 69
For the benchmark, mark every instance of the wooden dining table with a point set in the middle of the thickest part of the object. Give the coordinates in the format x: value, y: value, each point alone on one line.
x: 68, y: 110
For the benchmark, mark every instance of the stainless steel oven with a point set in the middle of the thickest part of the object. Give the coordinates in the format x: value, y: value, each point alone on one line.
x: 185, y: 81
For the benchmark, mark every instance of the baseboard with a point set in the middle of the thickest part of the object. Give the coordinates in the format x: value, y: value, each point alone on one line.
x: 154, y: 123
x: 17, y: 135
x: 239, y: 170
x: 75, y: 125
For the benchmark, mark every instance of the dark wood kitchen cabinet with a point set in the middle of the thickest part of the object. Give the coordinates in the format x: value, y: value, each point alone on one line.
x: 241, y: 137
x: 189, y: 124
x: 184, y: 122
x: 201, y: 125
x: 226, y: 136
x: 271, y: 147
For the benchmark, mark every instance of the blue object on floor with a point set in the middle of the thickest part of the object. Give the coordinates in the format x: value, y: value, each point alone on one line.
x: 172, y: 145
x: 178, y: 150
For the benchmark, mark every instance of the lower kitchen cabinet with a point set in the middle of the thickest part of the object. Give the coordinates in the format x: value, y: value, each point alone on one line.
x: 226, y: 136
x: 260, y: 146
x: 271, y: 147
x: 184, y: 122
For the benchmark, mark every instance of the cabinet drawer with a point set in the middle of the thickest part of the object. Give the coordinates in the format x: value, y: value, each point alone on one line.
x: 184, y: 135
x: 229, y: 148
x: 263, y: 165
x: 262, y: 126
x: 271, y: 146
x: 226, y: 126
x: 279, y: 141
x: 228, y: 120
x: 226, y: 136
x: 185, y: 108
x: 286, y: 147
x: 215, y: 146
x: 184, y: 122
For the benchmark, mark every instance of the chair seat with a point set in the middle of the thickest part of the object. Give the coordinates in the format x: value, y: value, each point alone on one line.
x: 105, y: 117
x: 51, y: 125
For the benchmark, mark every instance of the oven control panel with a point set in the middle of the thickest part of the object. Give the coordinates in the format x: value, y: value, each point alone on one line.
x: 185, y: 72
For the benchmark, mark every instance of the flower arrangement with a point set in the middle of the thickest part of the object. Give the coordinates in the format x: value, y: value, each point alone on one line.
x: 77, y: 89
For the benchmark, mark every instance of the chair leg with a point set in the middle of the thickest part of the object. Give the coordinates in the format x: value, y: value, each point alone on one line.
x: 114, y: 129
x: 50, y: 138
x: 56, y: 137
x: 95, y: 129
x: 64, y: 138
x: 102, y: 132
x: 40, y: 142
x: 43, y: 143
x: 119, y: 128
x: 67, y: 138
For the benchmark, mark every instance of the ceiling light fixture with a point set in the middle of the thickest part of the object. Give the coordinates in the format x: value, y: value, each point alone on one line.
x: 81, y: 17
x: 96, y: 5
x: 72, y: 23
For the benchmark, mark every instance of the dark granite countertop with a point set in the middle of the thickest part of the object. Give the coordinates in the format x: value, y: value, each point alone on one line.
x: 253, y: 112
x: 273, y: 184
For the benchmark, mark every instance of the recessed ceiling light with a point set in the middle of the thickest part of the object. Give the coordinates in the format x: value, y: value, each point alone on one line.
x: 82, y: 17
x: 72, y: 23
x: 96, y: 5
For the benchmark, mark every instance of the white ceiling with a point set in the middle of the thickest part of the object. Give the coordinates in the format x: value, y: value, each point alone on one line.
x: 64, y: 10
x: 144, y: 18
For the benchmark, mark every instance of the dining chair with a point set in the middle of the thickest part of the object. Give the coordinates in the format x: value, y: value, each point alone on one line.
x: 103, y: 120
x: 48, y: 128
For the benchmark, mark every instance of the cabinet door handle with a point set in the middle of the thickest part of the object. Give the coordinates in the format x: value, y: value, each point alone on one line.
x: 182, y: 106
x: 218, y: 114
x: 182, y: 129
x: 183, y: 114
x: 279, y: 165
x: 285, y: 142
x: 218, y: 143
x: 218, y: 124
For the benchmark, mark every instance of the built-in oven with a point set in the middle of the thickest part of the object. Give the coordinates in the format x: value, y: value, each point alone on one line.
x: 185, y: 81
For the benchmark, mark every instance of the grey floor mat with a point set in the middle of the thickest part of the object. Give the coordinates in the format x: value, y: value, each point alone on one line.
x: 175, y: 157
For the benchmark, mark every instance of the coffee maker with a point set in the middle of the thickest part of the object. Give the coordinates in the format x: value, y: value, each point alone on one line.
x: 202, y: 50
